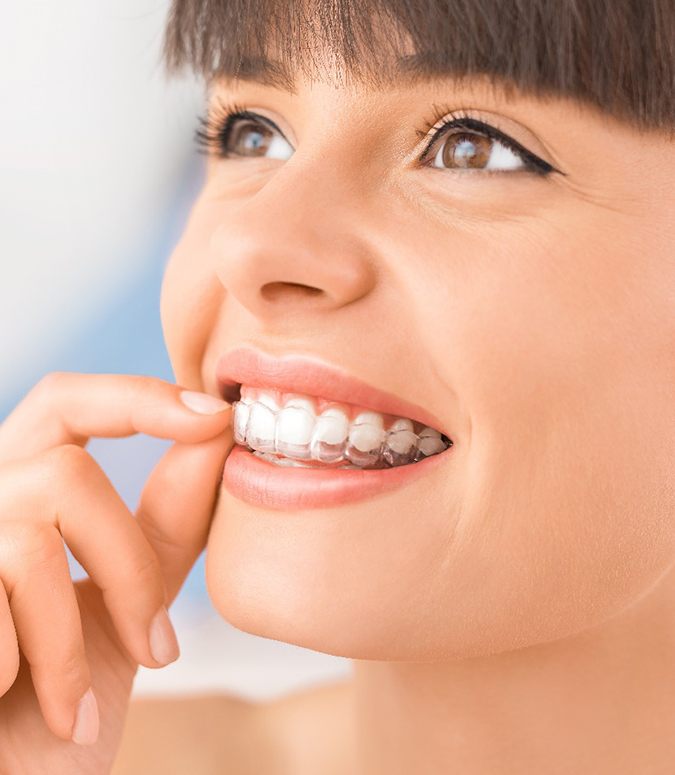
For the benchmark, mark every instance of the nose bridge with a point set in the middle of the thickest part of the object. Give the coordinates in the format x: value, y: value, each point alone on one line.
x: 296, y: 241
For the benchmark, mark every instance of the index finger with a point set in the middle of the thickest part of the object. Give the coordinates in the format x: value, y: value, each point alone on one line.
x: 70, y: 408
x: 178, y: 503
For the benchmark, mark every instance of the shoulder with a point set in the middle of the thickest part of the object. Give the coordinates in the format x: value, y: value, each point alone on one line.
x: 314, y: 729
x: 305, y: 732
x: 194, y: 734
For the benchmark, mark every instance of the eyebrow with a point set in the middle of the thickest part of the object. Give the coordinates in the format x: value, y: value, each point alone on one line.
x: 406, y: 71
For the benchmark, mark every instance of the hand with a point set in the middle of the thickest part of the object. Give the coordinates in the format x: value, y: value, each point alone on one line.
x: 58, y: 639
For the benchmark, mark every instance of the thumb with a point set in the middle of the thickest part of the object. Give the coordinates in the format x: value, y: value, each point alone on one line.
x: 178, y: 502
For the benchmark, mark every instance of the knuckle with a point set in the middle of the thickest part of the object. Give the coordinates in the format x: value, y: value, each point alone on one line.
x: 39, y: 543
x: 145, y: 389
x: 148, y: 570
x: 68, y: 460
x: 72, y: 668
x: 156, y: 535
x: 50, y: 382
x: 67, y: 667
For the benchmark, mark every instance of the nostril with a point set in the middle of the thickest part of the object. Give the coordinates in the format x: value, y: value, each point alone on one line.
x: 274, y: 291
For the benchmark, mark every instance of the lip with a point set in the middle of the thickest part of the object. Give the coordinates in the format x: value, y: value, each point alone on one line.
x: 312, y: 376
x: 267, y: 485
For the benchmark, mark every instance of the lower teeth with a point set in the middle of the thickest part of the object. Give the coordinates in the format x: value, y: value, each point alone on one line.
x: 290, y: 463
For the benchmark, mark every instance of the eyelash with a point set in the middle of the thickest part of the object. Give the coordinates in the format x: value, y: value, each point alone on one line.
x: 213, y: 134
x: 458, y: 119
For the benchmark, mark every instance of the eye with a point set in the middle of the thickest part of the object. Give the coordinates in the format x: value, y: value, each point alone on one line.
x: 470, y: 144
x: 232, y: 131
x: 472, y: 151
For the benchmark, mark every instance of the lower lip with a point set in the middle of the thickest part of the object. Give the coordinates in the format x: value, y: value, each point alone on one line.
x: 285, y: 488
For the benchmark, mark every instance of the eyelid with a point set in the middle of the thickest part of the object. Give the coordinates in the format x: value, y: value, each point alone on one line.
x: 500, y: 127
x: 490, y: 128
x: 255, y: 115
x: 219, y: 119
x: 531, y: 161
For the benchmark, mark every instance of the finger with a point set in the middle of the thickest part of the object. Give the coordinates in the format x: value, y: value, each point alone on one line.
x: 70, y: 408
x: 34, y: 570
x: 9, y: 648
x: 177, y: 504
x: 78, y: 499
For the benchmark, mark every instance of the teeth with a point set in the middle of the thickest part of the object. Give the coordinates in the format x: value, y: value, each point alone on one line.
x: 260, y: 428
x: 241, y: 413
x: 401, y: 443
x: 430, y: 442
x: 401, y: 425
x: 330, y: 433
x: 367, y: 431
x: 280, y: 461
x: 365, y: 439
x: 295, y: 431
x: 269, y: 400
x: 301, y: 403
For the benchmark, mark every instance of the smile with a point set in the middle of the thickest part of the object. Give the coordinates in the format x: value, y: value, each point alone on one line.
x: 292, y: 429
x: 310, y: 435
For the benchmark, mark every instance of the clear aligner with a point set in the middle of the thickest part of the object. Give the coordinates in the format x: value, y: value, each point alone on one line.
x: 330, y: 437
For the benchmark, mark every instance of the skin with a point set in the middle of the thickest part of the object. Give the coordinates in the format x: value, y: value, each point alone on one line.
x: 93, y: 633
x: 511, y: 612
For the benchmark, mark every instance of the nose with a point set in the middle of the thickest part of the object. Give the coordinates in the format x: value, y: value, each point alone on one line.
x: 294, y: 245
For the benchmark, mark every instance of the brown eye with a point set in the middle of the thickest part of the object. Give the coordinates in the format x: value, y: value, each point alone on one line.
x: 247, y: 139
x: 251, y: 139
x: 466, y: 151
x: 470, y: 150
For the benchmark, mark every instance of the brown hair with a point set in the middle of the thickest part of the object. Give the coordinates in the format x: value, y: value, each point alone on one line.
x: 618, y: 55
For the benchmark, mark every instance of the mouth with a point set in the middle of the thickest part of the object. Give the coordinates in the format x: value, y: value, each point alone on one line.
x: 299, y: 412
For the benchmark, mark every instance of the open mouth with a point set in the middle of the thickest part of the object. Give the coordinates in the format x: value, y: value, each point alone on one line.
x: 300, y: 430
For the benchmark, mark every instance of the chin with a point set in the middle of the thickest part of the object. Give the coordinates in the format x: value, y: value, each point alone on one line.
x: 356, y: 583
x: 426, y: 573
x: 331, y: 580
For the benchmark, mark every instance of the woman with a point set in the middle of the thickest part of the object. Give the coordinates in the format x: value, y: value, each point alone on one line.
x: 442, y: 234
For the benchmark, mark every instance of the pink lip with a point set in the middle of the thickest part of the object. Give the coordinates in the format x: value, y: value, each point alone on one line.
x: 267, y: 485
x: 302, y: 374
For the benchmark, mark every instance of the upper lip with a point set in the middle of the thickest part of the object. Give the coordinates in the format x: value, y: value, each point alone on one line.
x: 312, y: 376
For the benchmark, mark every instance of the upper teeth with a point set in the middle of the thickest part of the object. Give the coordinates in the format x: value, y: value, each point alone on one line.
x: 289, y: 424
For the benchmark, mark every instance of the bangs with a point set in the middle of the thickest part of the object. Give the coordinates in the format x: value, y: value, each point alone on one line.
x: 617, y: 55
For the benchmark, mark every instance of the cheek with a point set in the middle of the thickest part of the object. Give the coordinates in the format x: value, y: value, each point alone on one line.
x: 560, y: 348
x: 190, y: 300
x: 170, y: 310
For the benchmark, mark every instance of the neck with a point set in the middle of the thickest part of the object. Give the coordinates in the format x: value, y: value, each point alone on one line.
x: 601, y: 701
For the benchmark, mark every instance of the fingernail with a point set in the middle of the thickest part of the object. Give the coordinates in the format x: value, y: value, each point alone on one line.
x: 203, y: 403
x: 85, y: 728
x: 163, y: 641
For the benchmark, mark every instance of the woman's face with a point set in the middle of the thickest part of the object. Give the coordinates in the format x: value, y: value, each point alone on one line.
x: 533, y: 314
